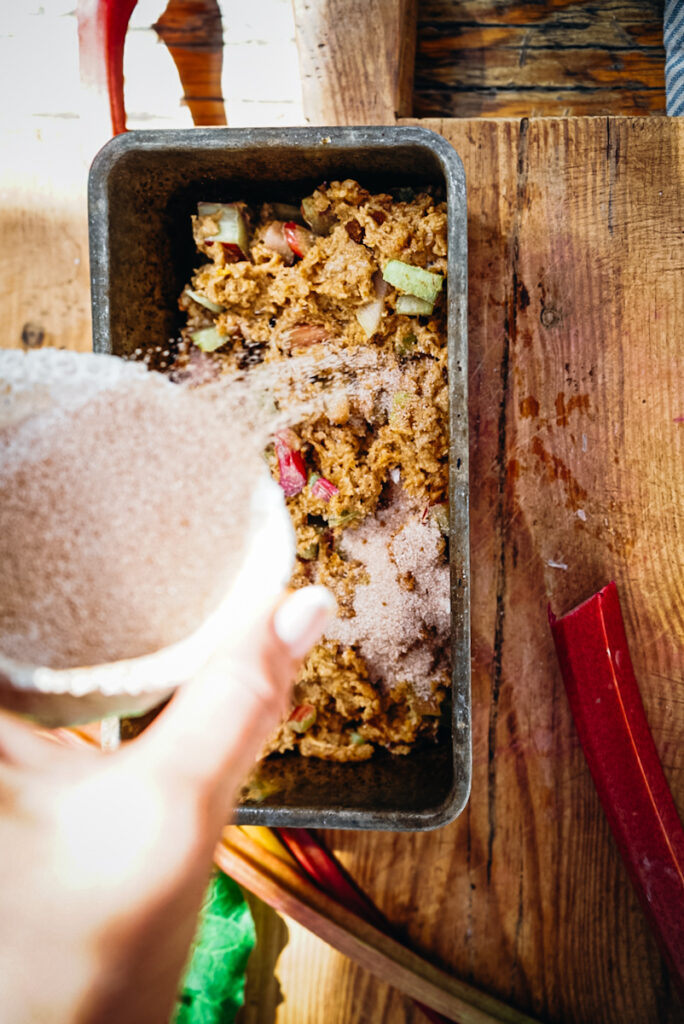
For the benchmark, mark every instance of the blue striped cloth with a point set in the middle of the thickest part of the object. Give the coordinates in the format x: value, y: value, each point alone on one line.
x: 673, y: 35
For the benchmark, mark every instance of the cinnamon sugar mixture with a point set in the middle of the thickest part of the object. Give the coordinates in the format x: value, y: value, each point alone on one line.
x: 407, y: 591
x: 365, y: 470
x: 123, y: 506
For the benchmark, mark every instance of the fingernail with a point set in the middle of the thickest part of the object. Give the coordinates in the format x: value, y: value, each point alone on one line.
x: 300, y: 621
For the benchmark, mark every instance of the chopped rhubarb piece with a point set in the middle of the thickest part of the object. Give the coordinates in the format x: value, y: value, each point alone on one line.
x: 274, y: 239
x: 347, y: 516
x: 288, y: 437
x: 604, y: 697
x: 208, y: 209
x: 440, y: 517
x: 195, y: 369
x: 232, y: 228
x: 291, y: 469
x: 320, y: 222
x: 399, y: 408
x: 302, y: 718
x: 413, y: 280
x: 202, y: 300
x: 380, y: 285
x: 324, y: 489
x: 309, y: 552
x: 411, y: 305
x: 232, y: 252
x: 370, y: 314
x: 304, y: 335
x: 208, y: 339
x: 298, y: 238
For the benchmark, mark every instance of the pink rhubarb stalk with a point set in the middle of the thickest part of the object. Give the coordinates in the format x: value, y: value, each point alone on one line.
x: 291, y: 468
x: 324, y: 489
x: 604, y: 697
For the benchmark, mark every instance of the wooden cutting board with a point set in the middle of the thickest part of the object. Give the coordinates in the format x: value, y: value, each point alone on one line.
x: 576, y: 298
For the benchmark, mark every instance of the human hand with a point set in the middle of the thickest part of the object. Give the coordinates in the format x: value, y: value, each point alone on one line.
x: 105, y: 858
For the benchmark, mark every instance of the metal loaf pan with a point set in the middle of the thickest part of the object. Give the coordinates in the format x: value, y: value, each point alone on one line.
x: 143, y: 188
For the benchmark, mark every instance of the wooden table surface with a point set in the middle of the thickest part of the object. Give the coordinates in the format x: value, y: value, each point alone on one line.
x: 576, y: 298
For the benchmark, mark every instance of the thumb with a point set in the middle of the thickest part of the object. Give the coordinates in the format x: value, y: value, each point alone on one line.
x: 214, y: 728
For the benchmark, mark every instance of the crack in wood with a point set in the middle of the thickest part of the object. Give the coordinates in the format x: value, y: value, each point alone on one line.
x: 510, y: 330
x: 613, y: 158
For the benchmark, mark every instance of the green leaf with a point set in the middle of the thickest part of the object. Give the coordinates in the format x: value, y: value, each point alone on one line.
x: 213, y: 988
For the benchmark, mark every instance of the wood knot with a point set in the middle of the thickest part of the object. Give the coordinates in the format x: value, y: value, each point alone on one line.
x: 549, y: 316
x: 32, y: 335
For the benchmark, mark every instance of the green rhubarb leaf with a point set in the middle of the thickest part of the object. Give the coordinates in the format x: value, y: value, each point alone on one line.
x: 213, y: 988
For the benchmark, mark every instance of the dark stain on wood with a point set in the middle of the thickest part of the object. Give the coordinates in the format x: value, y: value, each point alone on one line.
x: 529, y: 407
x: 556, y: 469
x: 563, y: 410
x: 32, y: 335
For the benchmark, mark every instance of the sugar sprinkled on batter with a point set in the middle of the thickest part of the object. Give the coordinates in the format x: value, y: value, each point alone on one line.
x: 408, y: 592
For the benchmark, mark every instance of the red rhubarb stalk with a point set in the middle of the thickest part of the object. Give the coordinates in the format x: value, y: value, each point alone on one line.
x: 322, y: 867
x: 102, y: 28
x: 234, y: 253
x: 325, y: 870
x: 604, y: 697
x: 302, y: 717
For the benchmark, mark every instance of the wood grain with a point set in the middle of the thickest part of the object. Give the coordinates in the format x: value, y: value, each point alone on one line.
x: 512, y: 58
x: 356, y: 59
x: 44, y: 294
x: 576, y: 240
